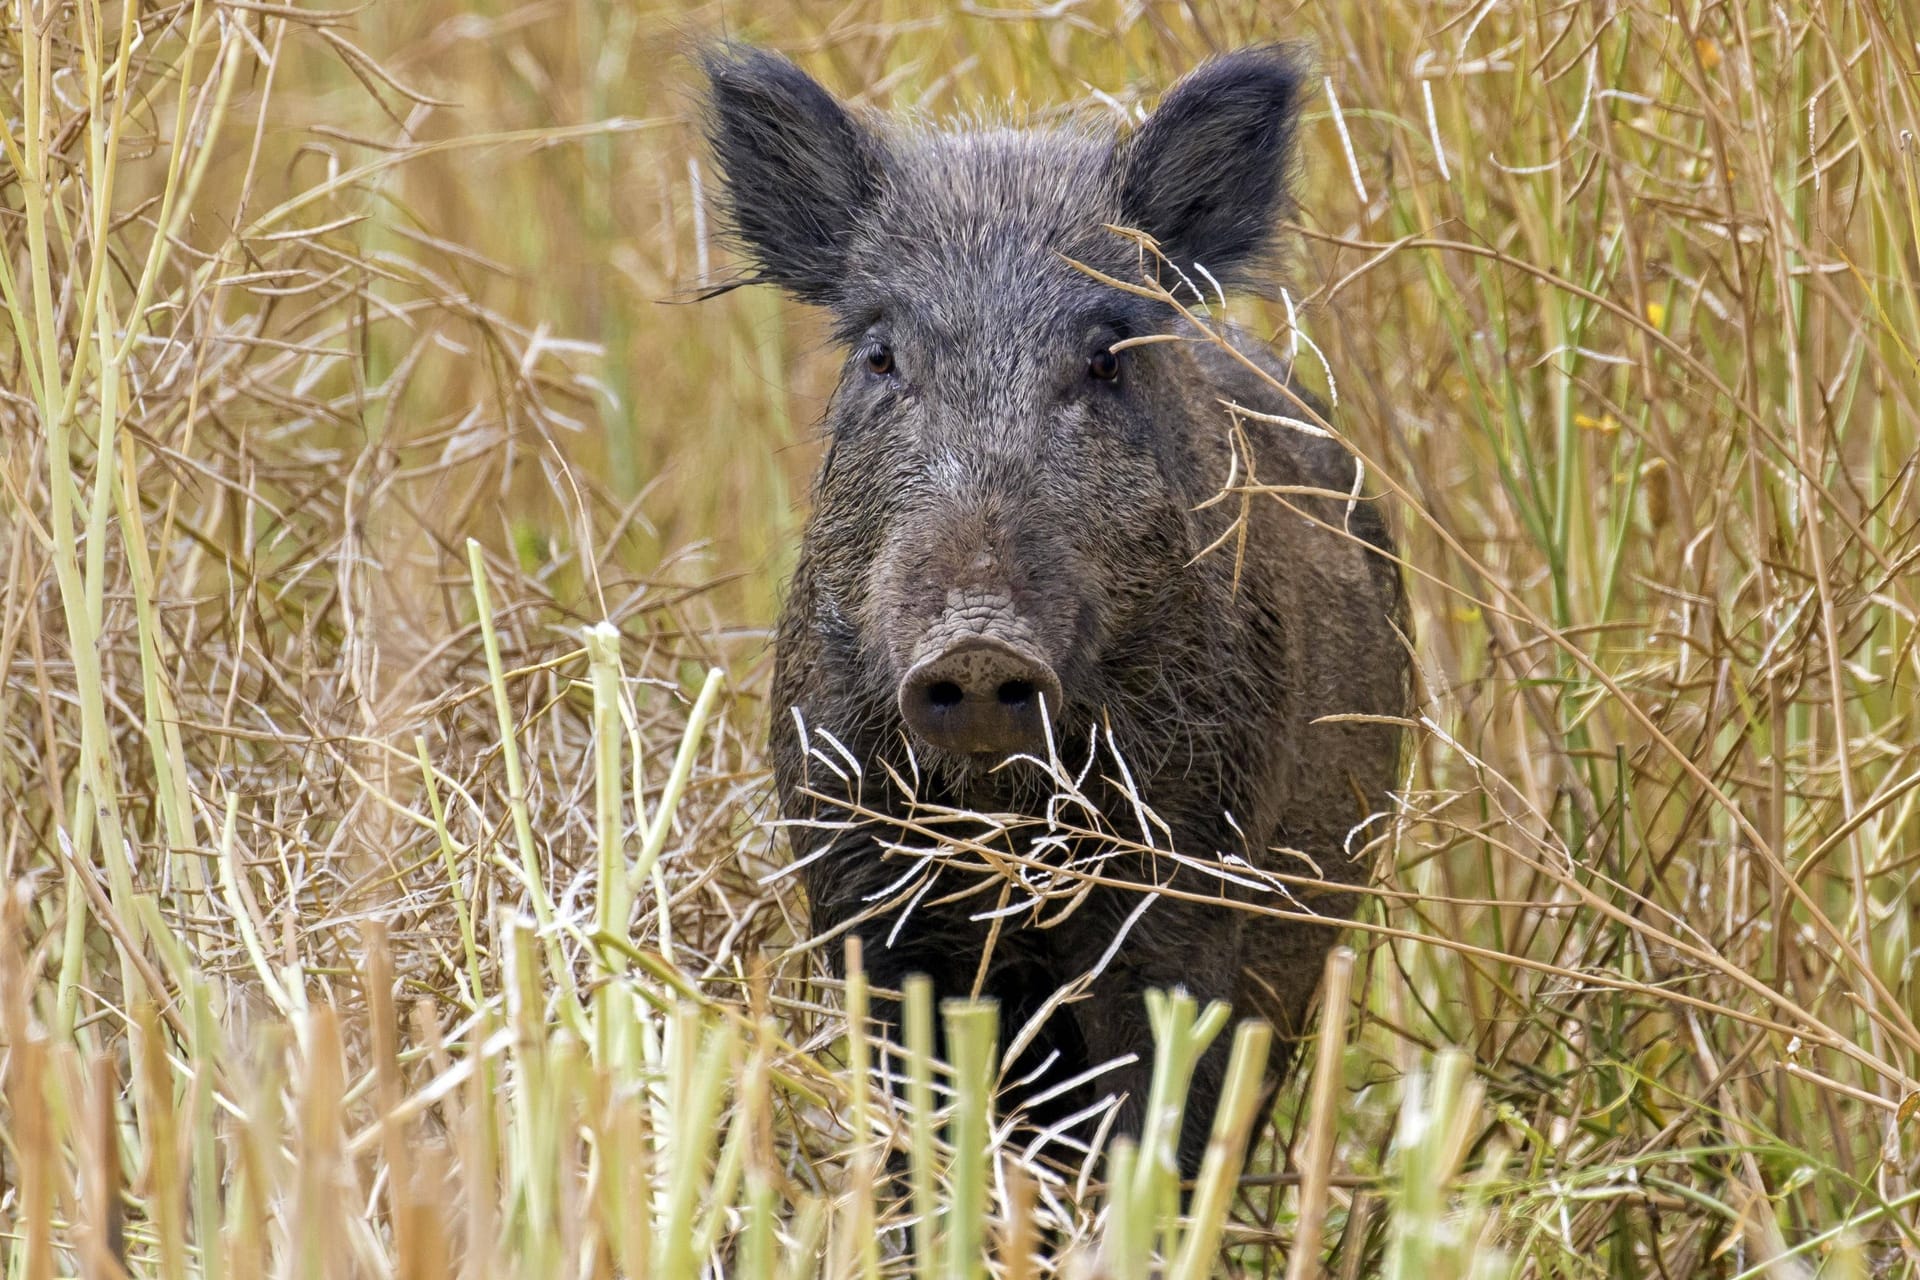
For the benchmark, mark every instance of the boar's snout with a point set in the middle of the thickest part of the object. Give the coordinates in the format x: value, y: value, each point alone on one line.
x: 980, y: 696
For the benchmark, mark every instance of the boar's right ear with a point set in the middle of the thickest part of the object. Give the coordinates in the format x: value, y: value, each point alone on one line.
x: 798, y: 170
x: 1206, y: 175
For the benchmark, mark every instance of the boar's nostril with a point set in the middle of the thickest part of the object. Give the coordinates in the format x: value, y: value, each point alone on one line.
x: 980, y: 696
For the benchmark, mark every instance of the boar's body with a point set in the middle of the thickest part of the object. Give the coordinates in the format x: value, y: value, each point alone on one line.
x: 1010, y: 513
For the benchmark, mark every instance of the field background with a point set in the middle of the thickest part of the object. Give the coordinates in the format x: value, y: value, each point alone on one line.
x: 1617, y: 301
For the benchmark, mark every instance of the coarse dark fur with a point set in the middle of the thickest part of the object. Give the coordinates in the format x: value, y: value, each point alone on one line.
x: 975, y: 469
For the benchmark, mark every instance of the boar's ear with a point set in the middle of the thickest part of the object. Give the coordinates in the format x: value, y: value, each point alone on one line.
x: 798, y: 170
x: 1206, y: 175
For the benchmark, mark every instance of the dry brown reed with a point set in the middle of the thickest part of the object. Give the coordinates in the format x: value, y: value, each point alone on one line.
x: 372, y: 911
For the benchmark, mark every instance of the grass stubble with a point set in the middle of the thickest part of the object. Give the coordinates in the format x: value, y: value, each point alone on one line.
x: 390, y: 886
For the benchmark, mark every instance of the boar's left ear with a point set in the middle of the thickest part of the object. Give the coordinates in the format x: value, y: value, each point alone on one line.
x: 799, y: 172
x: 1206, y: 175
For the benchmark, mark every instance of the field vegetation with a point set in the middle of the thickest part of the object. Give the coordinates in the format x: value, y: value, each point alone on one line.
x: 390, y: 532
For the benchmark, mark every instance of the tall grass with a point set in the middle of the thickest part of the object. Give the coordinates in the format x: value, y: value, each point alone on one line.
x: 388, y: 542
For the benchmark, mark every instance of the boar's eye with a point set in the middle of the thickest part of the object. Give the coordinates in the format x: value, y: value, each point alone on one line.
x: 1104, y: 366
x: 878, y: 358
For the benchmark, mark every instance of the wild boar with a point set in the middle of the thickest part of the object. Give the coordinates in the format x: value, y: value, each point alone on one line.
x: 1012, y: 536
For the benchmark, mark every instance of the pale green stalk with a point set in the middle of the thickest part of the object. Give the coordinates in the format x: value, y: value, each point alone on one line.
x: 724, y: 1185
x: 532, y: 869
x: 1233, y: 1121
x: 1128, y: 1237
x: 683, y: 761
x: 698, y: 1086
x: 162, y: 719
x: 96, y: 798
x: 615, y: 896
x: 1179, y: 1038
x: 208, y: 1047
x: 534, y: 1148
x: 104, y: 132
x: 917, y: 1006
x: 809, y: 1226
x: 450, y: 860
x: 1315, y: 1162
x: 860, y: 1086
x: 973, y: 1030
x: 177, y: 197
x: 757, y: 1245
x: 1436, y: 1128
x: 242, y: 917
x: 647, y: 866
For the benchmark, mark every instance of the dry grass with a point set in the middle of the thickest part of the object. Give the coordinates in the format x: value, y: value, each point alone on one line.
x: 310, y: 962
